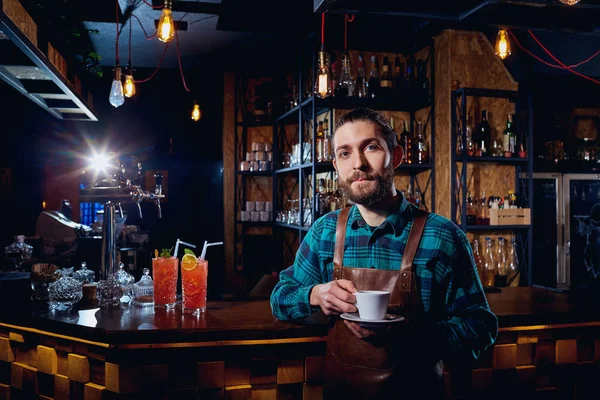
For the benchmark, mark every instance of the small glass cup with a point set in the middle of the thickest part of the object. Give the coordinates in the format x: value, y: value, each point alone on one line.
x: 194, y: 283
x: 164, y: 274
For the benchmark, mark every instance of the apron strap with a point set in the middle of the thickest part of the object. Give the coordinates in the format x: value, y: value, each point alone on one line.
x: 340, y: 237
x: 414, y: 238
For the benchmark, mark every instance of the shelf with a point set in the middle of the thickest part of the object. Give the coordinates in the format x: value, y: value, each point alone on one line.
x: 567, y: 166
x: 378, y: 103
x: 288, y: 226
x: 29, y: 65
x: 285, y: 170
x: 289, y: 115
x: 495, y: 160
x: 255, y: 173
x: 255, y: 223
x: 494, y: 227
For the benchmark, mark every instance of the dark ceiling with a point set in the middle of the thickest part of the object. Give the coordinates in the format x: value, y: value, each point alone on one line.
x: 212, y: 28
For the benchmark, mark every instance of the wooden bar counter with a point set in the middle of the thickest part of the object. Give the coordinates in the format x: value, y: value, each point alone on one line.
x: 548, y: 344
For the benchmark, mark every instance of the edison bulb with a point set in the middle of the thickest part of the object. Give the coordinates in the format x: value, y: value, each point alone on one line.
x: 502, y: 44
x: 129, y: 88
x: 166, y: 25
x: 196, y: 113
x: 322, y: 83
x: 116, y: 98
x: 569, y: 2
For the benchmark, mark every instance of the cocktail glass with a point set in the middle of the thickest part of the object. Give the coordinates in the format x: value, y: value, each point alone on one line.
x: 164, y: 274
x: 194, y: 282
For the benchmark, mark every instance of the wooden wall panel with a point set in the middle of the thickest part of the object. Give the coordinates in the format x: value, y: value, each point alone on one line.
x: 228, y: 176
x: 466, y: 59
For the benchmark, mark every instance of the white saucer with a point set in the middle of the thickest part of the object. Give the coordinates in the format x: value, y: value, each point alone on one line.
x: 389, y: 319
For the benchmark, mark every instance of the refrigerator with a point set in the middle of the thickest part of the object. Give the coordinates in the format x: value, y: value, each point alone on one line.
x: 566, y: 231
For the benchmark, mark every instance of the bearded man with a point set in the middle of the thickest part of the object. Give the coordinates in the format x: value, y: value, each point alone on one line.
x: 383, y: 242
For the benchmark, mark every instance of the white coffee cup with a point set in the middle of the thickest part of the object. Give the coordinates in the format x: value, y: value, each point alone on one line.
x: 372, y: 304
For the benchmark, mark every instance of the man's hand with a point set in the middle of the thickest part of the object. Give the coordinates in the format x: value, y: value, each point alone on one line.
x: 335, y: 297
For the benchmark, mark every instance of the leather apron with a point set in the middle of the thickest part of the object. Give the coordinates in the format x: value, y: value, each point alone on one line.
x: 365, y: 368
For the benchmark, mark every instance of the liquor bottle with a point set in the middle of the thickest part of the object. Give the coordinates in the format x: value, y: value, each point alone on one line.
x: 489, y: 266
x: 320, y: 148
x: 410, y: 74
x: 484, y: 136
x: 334, y: 77
x: 501, y: 278
x: 361, y: 80
x: 470, y: 144
x: 512, y: 267
x: 484, y: 214
x: 393, y: 126
x: 320, y: 208
x: 478, y: 259
x: 509, y: 137
x: 422, y: 83
x: 373, y: 79
x: 335, y: 200
x: 327, y: 142
x: 399, y: 78
x: 420, y: 148
x: 418, y: 199
x: 471, y: 212
x: 406, y: 143
x: 346, y: 84
x: 385, y: 82
x: 468, y: 139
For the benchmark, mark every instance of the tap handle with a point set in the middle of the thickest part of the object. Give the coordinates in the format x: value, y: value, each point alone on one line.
x: 158, y: 207
x: 139, y: 206
x: 158, y: 180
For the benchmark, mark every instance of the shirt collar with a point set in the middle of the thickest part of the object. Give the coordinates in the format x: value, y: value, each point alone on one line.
x: 396, y: 221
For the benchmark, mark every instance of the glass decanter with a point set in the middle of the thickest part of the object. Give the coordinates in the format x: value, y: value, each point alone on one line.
x: 84, y: 275
x: 19, y: 251
x: 109, y: 292
x: 143, y: 290
x: 65, y: 292
x: 125, y: 280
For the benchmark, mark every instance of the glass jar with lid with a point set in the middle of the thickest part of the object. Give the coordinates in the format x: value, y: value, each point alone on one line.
x: 125, y: 280
x: 143, y: 290
x: 84, y: 275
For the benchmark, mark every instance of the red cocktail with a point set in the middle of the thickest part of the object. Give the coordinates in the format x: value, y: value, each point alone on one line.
x: 164, y: 273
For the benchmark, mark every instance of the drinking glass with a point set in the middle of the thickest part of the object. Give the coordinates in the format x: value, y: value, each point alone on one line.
x: 194, y: 282
x: 164, y: 274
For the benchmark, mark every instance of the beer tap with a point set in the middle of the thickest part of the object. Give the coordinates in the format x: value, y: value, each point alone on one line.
x: 114, y: 189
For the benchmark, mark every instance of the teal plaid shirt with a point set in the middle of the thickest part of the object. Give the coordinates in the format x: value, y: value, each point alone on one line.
x: 458, y: 314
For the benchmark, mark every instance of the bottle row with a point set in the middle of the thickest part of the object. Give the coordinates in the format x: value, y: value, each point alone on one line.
x: 405, y: 77
x: 498, y: 264
x: 478, y: 140
x: 416, y: 149
x: 478, y: 211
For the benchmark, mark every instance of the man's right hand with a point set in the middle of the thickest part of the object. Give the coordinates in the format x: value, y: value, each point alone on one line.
x: 335, y: 297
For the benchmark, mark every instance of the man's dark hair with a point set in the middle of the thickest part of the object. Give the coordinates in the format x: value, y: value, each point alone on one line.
x: 366, y: 114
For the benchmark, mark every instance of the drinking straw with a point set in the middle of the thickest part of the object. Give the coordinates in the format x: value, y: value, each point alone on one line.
x: 206, y: 244
x: 193, y: 246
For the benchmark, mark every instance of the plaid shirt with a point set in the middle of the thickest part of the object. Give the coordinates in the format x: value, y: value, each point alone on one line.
x: 458, y: 315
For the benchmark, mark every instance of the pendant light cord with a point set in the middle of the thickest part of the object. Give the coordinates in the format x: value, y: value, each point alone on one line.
x: 346, y: 20
x: 117, y: 41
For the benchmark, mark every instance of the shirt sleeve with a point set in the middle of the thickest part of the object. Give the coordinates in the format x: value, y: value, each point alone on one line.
x: 469, y: 326
x: 290, y: 298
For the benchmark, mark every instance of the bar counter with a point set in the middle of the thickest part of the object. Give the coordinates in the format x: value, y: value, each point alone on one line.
x: 237, y: 349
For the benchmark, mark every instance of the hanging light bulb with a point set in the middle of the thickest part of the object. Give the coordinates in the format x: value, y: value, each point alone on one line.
x: 502, y: 44
x: 129, y: 87
x: 346, y: 81
x: 166, y: 25
x: 116, y: 98
x: 196, y: 113
x: 569, y: 2
x: 322, y: 83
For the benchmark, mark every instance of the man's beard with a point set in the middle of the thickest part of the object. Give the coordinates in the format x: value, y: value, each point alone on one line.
x: 367, y: 196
